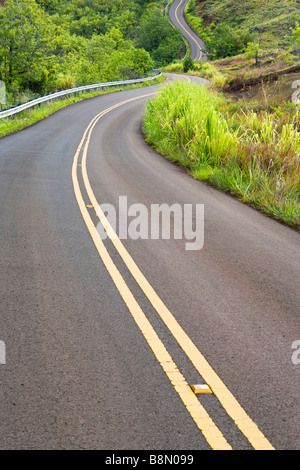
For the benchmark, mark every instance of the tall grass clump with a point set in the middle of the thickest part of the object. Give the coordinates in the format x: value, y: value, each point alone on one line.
x: 253, y: 156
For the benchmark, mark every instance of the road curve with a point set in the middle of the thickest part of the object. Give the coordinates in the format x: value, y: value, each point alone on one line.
x: 92, y: 362
x: 176, y: 15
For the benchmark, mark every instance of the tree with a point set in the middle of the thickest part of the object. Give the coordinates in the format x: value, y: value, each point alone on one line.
x: 25, y: 44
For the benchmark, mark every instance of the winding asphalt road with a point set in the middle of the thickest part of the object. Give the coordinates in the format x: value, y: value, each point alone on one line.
x: 104, y: 338
x: 176, y: 15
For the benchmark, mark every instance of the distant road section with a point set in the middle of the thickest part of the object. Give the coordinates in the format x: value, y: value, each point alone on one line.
x: 176, y: 15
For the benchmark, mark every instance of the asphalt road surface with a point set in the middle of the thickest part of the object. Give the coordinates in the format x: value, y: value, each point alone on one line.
x: 176, y: 15
x: 104, y: 338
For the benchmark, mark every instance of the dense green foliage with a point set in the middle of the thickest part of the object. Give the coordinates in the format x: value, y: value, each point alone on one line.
x: 254, y: 156
x: 57, y: 44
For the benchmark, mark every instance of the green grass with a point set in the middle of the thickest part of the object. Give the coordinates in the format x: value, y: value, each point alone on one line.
x: 33, y: 115
x: 253, y: 156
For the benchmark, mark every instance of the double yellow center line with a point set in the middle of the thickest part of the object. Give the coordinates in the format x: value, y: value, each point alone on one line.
x: 208, y: 428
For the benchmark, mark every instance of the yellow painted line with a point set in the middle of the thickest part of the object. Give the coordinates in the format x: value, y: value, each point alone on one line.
x: 208, y: 428
x: 200, y: 54
x: 226, y: 398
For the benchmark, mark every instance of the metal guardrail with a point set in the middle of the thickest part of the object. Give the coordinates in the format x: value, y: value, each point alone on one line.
x: 70, y: 91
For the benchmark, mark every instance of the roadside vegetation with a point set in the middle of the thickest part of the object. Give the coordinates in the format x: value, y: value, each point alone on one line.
x: 241, y: 133
x: 253, y: 155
